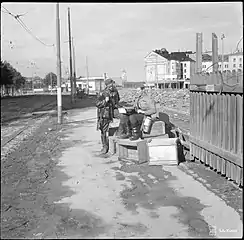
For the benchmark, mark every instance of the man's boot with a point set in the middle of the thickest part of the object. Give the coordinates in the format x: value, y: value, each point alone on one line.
x: 135, y: 134
x: 127, y: 133
x: 104, y: 144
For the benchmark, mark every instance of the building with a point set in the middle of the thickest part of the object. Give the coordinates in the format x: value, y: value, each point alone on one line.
x: 233, y: 61
x: 168, y: 69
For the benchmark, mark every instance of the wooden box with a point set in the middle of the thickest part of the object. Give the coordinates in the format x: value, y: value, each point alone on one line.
x: 135, y: 151
x: 164, y: 151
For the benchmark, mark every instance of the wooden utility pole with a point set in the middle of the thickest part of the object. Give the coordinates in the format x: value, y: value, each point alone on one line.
x: 59, y: 94
x: 70, y: 59
x: 87, y: 75
x: 74, y: 74
x: 215, y: 52
x: 198, y: 52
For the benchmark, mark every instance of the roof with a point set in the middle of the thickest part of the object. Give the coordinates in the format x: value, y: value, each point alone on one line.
x: 208, y: 58
x: 236, y: 54
x: 177, y: 56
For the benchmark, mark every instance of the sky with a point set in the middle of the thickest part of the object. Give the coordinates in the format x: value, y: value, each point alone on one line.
x: 113, y: 36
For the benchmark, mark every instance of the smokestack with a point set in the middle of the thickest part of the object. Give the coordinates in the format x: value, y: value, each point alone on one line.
x: 215, y: 59
x: 198, y: 52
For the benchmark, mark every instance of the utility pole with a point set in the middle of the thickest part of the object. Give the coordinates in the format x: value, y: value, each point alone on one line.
x: 59, y: 94
x: 70, y: 59
x: 51, y: 82
x: 74, y: 74
x: 222, y: 38
x: 87, y: 75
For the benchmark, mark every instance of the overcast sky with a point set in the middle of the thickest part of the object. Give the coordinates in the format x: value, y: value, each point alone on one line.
x: 114, y: 36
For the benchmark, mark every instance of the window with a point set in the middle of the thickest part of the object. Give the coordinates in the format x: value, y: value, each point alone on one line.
x: 184, y: 64
x: 234, y: 65
x: 204, y: 66
x: 184, y: 70
x: 240, y: 59
x: 240, y: 65
x: 234, y: 59
x: 184, y: 76
x: 226, y: 65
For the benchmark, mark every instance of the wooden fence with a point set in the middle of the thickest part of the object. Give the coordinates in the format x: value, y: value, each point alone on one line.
x: 216, y: 122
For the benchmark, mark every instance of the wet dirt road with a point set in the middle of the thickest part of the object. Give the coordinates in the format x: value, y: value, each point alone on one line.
x: 85, y: 196
x: 127, y: 200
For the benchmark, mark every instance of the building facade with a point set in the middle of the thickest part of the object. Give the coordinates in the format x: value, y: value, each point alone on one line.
x: 164, y: 68
x: 231, y: 62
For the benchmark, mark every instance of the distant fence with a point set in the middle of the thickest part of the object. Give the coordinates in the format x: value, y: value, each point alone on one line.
x: 216, y: 122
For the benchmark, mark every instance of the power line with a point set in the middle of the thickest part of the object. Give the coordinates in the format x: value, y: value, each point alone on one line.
x: 23, y: 25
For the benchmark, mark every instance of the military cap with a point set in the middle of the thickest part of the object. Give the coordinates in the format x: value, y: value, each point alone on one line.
x: 109, y: 81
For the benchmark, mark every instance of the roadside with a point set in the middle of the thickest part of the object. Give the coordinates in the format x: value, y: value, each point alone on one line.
x: 54, y: 186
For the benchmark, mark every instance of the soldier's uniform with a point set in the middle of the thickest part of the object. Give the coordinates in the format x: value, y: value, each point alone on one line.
x: 144, y: 106
x: 106, y: 111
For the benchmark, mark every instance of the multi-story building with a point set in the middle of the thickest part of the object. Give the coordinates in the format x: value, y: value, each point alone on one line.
x: 231, y: 62
x: 168, y: 69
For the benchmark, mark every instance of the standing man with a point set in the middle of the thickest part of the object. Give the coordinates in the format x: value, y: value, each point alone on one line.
x: 106, y: 103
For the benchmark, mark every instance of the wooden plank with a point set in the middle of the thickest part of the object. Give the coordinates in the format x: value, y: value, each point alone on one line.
x: 236, y: 159
x: 200, y: 115
x: 223, y: 166
x: 233, y: 171
x: 226, y: 136
x: 228, y: 169
x: 239, y: 125
x: 215, y: 117
x: 218, y: 164
x: 234, y: 117
x: 197, y: 116
x: 191, y: 112
x: 204, y: 155
x: 207, y: 158
x: 229, y: 123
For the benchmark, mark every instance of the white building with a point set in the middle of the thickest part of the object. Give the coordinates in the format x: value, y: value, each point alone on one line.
x: 164, y: 68
x: 231, y: 62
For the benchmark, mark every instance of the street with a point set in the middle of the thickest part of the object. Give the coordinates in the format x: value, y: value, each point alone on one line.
x: 111, y: 200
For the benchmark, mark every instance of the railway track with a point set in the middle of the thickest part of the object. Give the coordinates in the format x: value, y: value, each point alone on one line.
x: 30, y: 122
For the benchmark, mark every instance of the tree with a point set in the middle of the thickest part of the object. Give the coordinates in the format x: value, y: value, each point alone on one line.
x: 10, y: 76
x: 6, y: 75
x: 50, y: 79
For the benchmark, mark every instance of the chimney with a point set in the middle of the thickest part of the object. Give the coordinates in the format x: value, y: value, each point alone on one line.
x: 215, y: 52
x: 198, y: 52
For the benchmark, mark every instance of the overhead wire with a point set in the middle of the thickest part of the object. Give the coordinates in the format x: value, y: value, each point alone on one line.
x: 23, y: 25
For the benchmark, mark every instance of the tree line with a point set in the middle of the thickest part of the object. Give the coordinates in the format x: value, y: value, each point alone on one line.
x: 11, y: 78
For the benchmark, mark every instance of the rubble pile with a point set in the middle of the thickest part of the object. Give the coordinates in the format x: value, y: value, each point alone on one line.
x: 170, y: 98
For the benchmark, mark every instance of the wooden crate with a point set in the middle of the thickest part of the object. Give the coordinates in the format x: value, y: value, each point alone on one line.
x: 135, y: 151
x: 164, y: 151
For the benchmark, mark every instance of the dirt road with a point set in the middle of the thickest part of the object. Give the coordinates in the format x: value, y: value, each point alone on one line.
x: 85, y: 196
